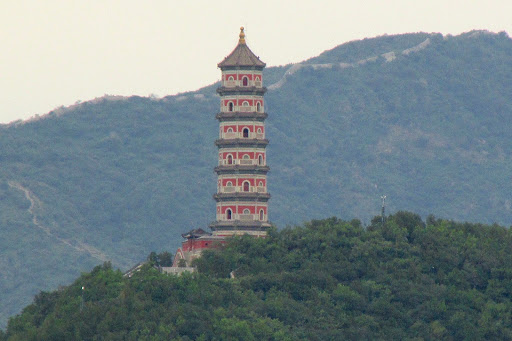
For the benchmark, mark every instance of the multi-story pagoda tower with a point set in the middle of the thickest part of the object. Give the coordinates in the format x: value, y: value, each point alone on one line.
x: 242, y: 197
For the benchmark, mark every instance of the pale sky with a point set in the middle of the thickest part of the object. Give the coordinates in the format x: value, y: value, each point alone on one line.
x: 57, y: 52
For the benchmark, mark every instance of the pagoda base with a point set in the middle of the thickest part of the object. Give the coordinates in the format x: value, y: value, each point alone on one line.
x: 198, y: 240
x: 239, y: 227
x: 232, y: 233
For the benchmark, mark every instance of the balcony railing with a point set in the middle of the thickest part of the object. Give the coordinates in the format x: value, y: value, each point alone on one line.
x: 243, y: 162
x: 246, y: 108
x: 242, y: 109
x: 242, y: 217
x: 234, y: 83
x: 232, y: 135
x: 233, y: 189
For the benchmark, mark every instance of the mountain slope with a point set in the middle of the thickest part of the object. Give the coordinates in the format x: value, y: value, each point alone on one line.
x: 421, y: 118
x: 328, y: 280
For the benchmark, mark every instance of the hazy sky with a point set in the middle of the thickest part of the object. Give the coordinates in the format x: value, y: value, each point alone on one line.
x: 57, y: 52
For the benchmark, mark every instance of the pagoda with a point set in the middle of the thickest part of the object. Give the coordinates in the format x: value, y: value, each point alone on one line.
x: 242, y: 196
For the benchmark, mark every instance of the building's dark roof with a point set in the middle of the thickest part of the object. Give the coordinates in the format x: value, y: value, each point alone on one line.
x: 241, y: 55
x: 196, y: 233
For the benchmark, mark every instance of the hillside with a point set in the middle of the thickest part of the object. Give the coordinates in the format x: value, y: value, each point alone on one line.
x: 421, y: 118
x: 327, y: 280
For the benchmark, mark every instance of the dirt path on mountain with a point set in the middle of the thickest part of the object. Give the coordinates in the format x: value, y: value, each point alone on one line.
x: 36, y: 204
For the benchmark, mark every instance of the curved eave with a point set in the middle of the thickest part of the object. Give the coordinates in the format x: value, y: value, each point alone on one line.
x: 236, y: 115
x: 241, y: 90
x: 239, y: 169
x: 241, y: 67
x: 257, y: 197
x: 241, y: 142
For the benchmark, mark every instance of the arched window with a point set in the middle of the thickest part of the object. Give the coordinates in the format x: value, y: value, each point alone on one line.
x: 246, y: 157
x: 260, y: 160
x: 230, y: 159
x: 260, y: 184
x: 229, y: 183
x: 258, y: 107
x: 231, y: 78
x: 246, y: 132
x: 245, y: 104
x: 230, y: 130
x: 262, y: 214
x: 230, y: 106
x: 229, y: 214
x: 246, y: 186
x: 245, y: 81
x: 259, y: 130
x: 246, y: 211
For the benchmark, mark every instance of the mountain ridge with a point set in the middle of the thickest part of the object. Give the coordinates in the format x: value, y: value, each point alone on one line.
x: 129, y: 175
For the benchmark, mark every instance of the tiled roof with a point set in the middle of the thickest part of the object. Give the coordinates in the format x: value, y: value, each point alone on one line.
x: 195, y: 233
x: 241, y: 55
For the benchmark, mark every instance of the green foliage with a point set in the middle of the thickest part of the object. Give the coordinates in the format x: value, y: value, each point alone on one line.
x: 113, y: 179
x: 329, y: 279
x: 162, y: 259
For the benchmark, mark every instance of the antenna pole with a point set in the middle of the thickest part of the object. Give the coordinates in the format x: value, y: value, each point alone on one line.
x: 383, y: 211
x: 82, y: 300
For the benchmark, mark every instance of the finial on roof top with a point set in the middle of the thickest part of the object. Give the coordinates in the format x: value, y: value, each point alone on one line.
x: 242, y: 36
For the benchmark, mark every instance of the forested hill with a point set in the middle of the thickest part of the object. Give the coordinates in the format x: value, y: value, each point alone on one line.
x: 421, y: 118
x: 327, y: 280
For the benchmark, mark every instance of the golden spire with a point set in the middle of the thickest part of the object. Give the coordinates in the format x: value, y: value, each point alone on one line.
x: 242, y: 36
